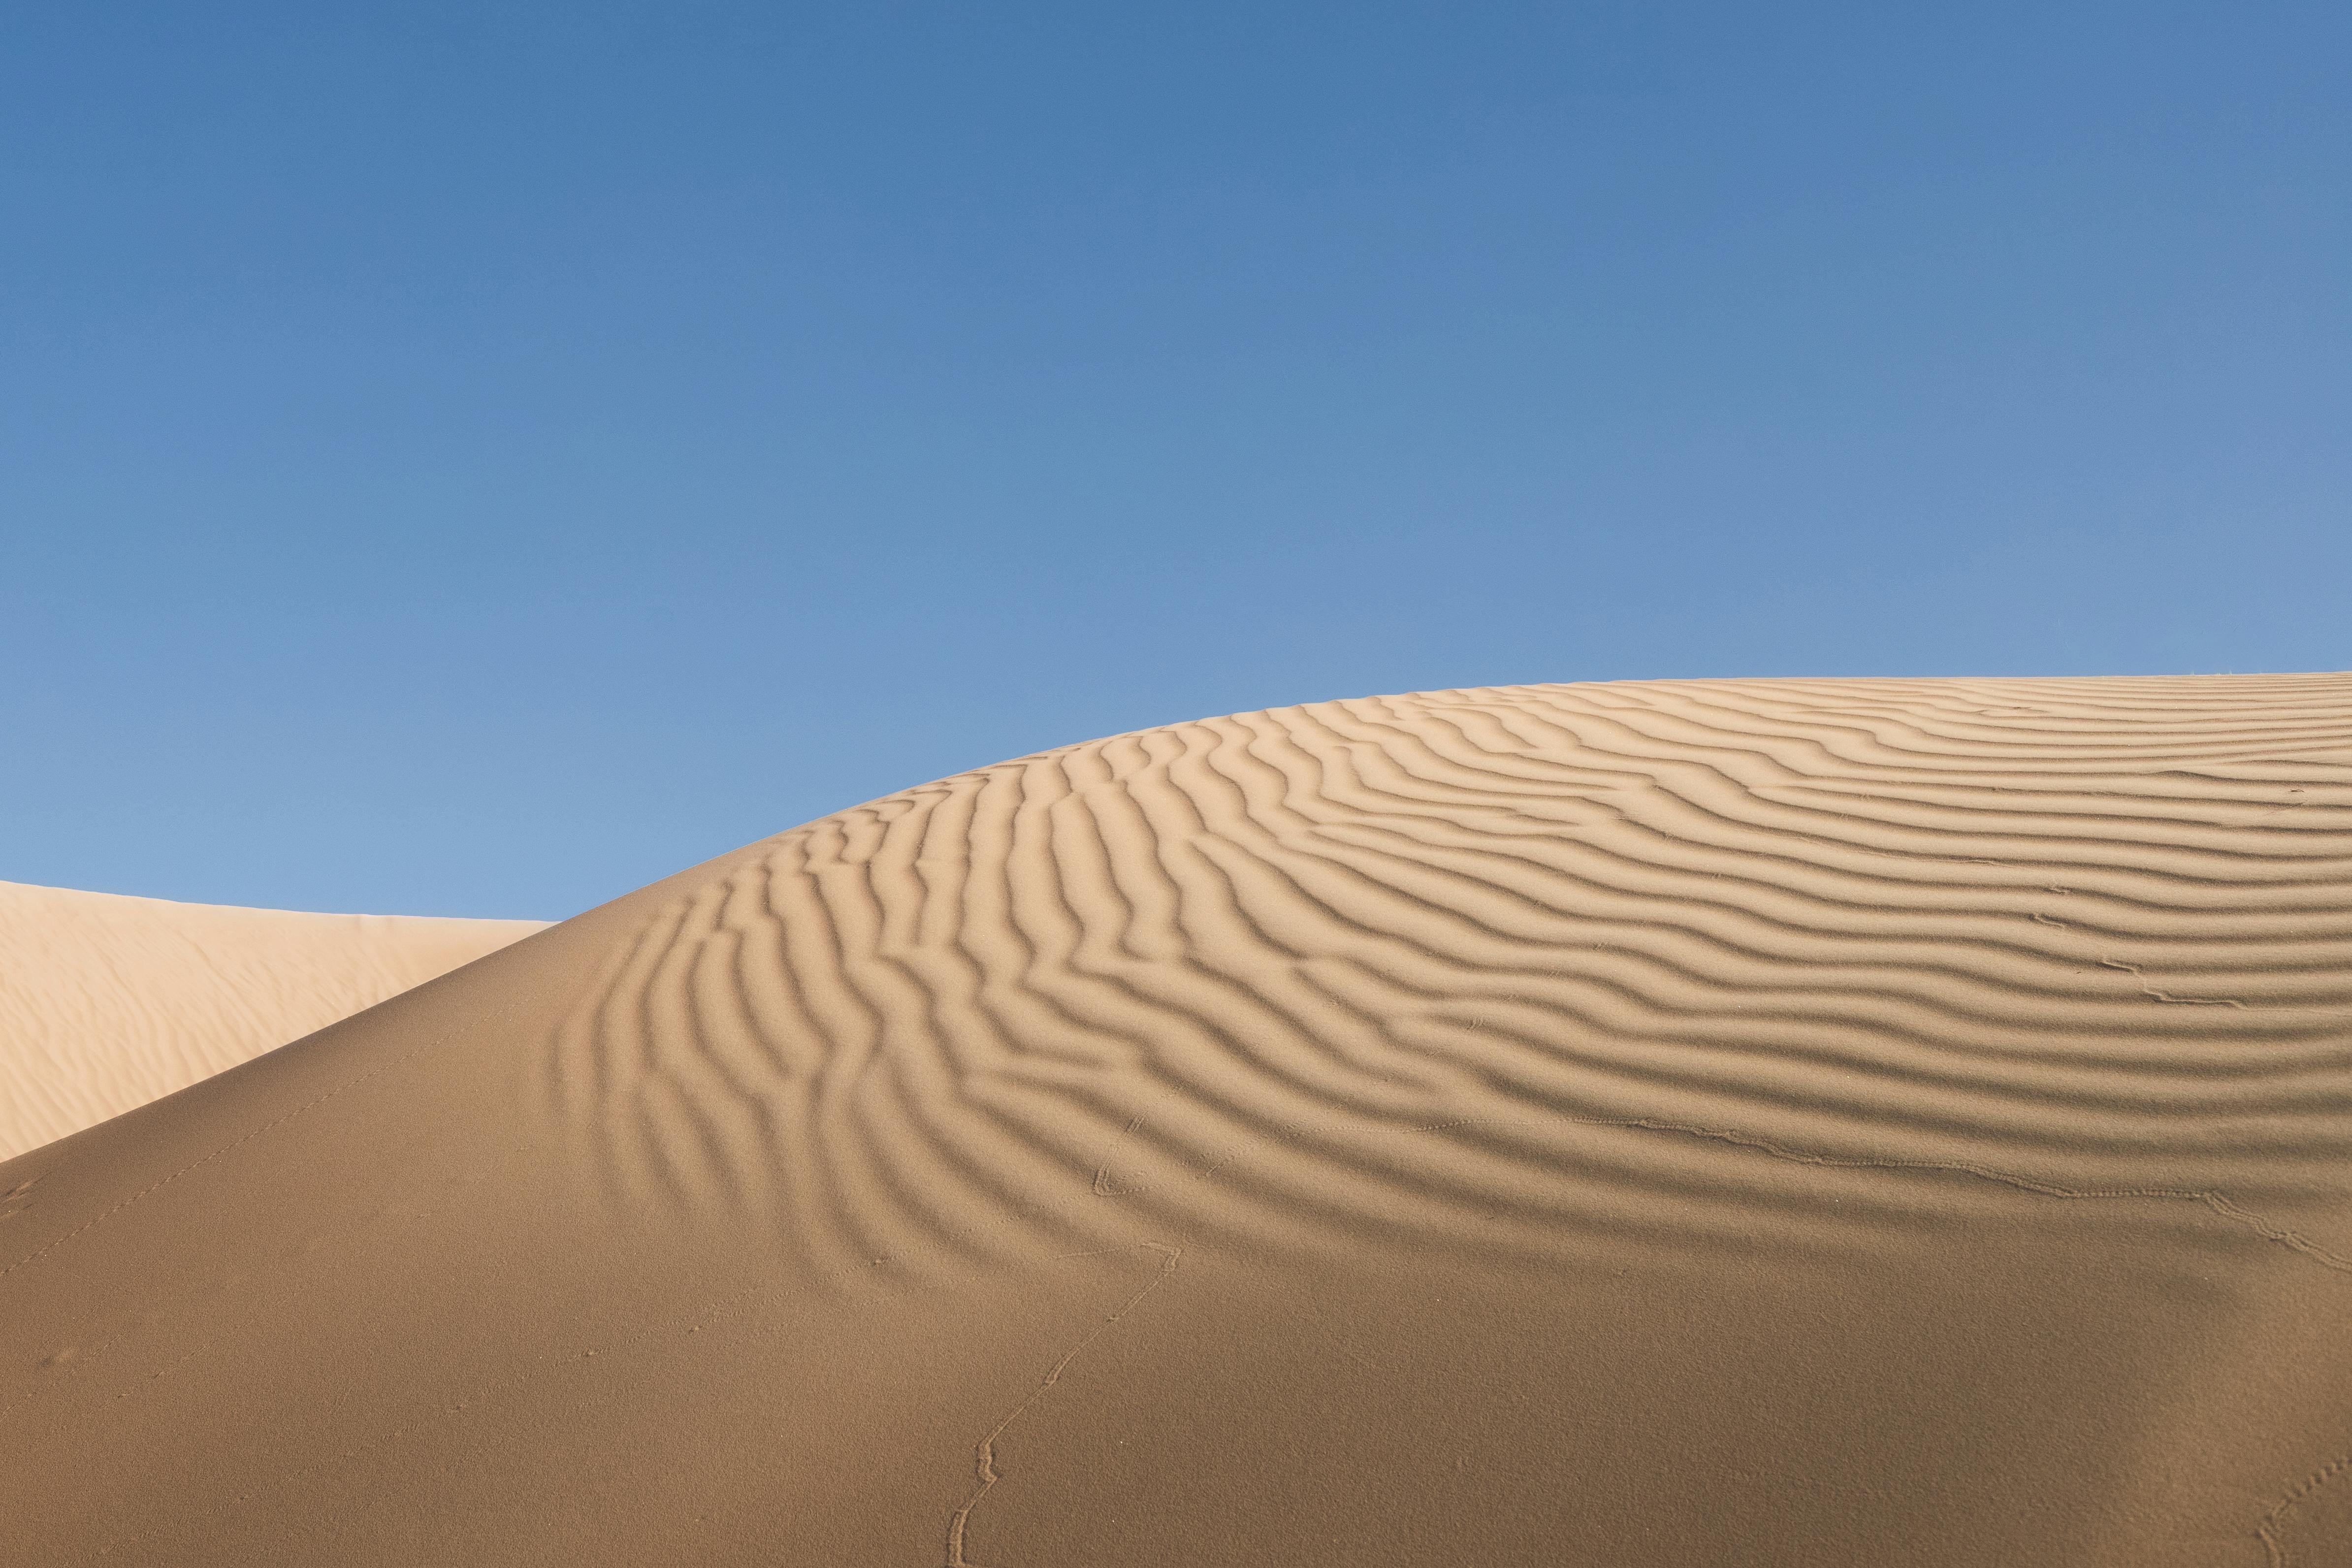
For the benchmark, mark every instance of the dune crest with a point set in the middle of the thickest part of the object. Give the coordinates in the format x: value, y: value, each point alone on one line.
x: 1627, y: 1125
x: 107, y: 1002
x: 1701, y: 960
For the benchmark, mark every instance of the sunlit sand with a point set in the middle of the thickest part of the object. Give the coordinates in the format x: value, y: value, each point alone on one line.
x: 1684, y: 1123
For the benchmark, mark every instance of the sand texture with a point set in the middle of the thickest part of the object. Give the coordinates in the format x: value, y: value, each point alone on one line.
x: 1729, y: 1123
x: 109, y: 1002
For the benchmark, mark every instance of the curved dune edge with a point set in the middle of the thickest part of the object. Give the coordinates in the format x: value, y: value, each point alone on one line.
x: 1729, y: 1122
x: 107, y: 1002
x: 1552, y: 959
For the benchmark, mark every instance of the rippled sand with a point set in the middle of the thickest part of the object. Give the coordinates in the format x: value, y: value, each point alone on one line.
x: 1793, y: 1122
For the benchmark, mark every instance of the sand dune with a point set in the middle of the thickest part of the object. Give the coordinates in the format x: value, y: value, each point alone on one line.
x: 109, y: 1002
x: 1794, y: 1123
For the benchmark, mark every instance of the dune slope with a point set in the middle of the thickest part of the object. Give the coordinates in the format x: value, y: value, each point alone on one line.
x: 1822, y: 1122
x: 107, y: 1002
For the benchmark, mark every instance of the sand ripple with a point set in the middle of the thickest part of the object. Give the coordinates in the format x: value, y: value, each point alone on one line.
x: 1702, y: 964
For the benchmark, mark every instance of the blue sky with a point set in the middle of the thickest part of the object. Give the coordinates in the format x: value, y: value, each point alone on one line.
x: 479, y: 459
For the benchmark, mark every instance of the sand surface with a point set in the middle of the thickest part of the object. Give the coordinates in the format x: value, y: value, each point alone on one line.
x: 109, y: 1002
x: 1743, y: 1123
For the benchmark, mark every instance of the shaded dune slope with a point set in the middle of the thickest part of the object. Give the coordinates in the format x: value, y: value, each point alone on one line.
x: 1732, y: 1122
x: 107, y: 1002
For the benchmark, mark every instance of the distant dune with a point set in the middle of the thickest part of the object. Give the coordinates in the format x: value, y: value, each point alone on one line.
x: 109, y: 1002
x: 1792, y: 1123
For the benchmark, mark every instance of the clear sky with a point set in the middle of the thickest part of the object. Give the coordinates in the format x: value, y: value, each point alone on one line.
x: 476, y: 459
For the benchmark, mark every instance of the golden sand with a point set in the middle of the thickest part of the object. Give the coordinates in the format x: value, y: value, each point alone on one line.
x: 1662, y: 1123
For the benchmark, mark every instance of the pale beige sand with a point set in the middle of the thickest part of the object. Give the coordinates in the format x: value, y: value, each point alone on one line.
x: 109, y: 1002
x: 1741, y: 1122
